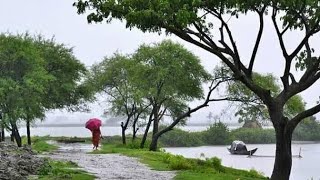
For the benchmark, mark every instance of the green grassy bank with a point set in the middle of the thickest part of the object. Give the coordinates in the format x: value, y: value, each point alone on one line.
x: 185, y: 168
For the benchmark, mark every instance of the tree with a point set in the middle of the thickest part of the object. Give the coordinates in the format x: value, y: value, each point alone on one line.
x: 251, y: 108
x: 114, y: 76
x: 171, y: 77
x: 164, y: 76
x: 36, y: 75
x: 194, y: 21
x: 22, y: 73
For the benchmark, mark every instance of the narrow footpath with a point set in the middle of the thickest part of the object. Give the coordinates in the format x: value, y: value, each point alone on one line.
x: 108, y: 166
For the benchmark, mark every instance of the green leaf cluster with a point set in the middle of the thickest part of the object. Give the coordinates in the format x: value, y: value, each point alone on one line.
x: 37, y: 75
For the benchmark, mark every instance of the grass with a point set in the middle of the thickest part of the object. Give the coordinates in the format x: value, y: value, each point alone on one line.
x: 59, y: 170
x: 186, y: 168
x: 40, y: 145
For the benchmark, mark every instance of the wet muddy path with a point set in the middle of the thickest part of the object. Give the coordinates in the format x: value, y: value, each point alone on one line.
x: 107, y: 166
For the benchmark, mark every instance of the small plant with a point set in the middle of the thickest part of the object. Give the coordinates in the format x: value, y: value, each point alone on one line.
x: 216, y: 164
x: 179, y: 163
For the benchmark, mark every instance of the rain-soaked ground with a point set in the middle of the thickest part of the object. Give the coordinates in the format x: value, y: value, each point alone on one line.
x: 107, y: 166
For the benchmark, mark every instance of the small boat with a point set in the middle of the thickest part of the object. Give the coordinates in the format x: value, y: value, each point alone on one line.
x: 239, y: 148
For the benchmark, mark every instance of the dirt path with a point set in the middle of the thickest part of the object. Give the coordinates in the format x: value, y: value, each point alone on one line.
x: 108, y: 166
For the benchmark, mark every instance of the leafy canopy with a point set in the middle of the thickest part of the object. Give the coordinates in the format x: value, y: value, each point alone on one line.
x: 37, y: 75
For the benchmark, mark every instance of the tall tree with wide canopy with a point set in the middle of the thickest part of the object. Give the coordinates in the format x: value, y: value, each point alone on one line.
x: 171, y: 77
x: 162, y: 76
x: 195, y: 20
x: 115, y: 76
x: 36, y: 75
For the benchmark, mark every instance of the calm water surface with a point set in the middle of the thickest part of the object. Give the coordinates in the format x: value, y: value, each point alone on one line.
x: 305, y: 168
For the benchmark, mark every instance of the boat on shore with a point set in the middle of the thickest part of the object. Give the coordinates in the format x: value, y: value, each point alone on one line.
x: 240, y: 148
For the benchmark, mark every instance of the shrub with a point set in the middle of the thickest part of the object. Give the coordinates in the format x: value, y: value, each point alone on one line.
x: 178, y: 162
x: 254, y: 136
x: 307, y: 130
x: 180, y: 138
x: 217, y: 134
x: 216, y: 164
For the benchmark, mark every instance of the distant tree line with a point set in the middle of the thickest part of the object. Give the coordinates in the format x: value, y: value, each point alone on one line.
x: 219, y: 134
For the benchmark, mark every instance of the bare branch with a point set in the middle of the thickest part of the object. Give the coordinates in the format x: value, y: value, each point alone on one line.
x: 283, y: 48
x: 292, y: 78
x: 285, y: 29
x: 255, y: 49
x: 190, y: 111
x: 296, y: 120
x: 224, y: 24
x: 303, y: 42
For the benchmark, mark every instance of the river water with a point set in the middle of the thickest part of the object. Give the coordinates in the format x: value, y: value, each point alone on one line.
x: 305, y: 168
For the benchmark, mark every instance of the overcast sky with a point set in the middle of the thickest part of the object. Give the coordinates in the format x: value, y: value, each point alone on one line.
x: 92, y: 42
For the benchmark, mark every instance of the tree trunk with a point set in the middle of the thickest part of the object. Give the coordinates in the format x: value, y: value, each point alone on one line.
x: 2, y: 133
x: 123, y: 133
x: 134, y: 135
x: 28, y: 132
x: 12, y: 136
x: 283, y: 159
x: 154, y: 142
x: 144, y: 138
x: 16, y: 134
x: 134, y: 129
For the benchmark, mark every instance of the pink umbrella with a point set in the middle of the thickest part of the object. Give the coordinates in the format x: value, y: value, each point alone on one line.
x: 93, y: 124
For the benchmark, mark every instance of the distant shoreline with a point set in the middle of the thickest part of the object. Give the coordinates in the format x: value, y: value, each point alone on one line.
x: 118, y: 125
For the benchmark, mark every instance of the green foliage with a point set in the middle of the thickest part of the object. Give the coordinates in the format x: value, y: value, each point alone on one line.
x: 178, y: 162
x: 215, y: 163
x: 254, y: 135
x: 307, y: 130
x: 37, y: 75
x: 172, y: 68
x: 40, y: 145
x: 180, y: 138
x: 217, y: 134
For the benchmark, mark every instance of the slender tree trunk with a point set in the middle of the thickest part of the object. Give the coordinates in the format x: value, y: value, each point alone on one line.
x: 144, y: 138
x: 134, y: 130
x: 283, y: 159
x: 16, y: 134
x: 134, y: 135
x: 2, y: 132
x: 12, y: 136
x: 134, y: 127
x: 28, y: 132
x: 123, y: 133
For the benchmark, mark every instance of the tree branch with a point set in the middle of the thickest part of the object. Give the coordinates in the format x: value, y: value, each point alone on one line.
x: 296, y: 120
x: 255, y: 49
x: 283, y: 48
